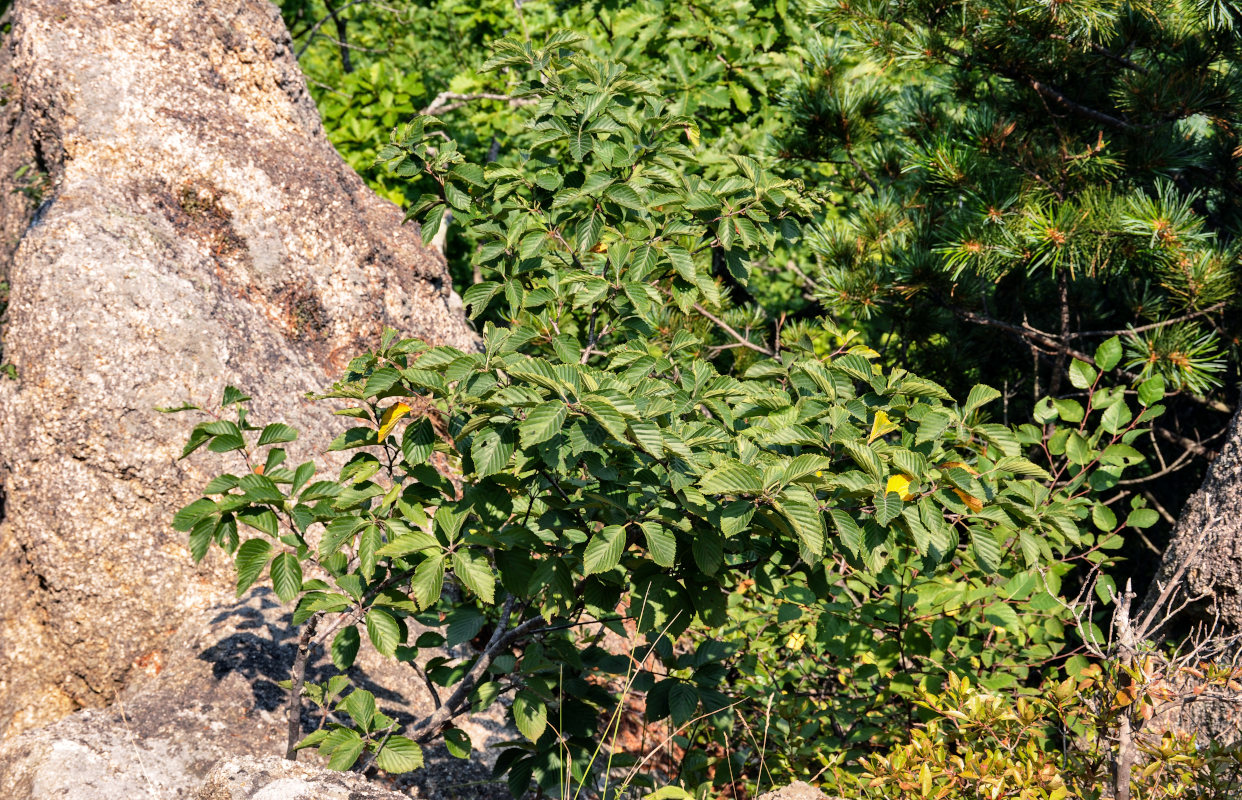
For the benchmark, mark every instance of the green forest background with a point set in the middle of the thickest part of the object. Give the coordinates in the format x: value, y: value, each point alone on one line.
x: 1043, y: 198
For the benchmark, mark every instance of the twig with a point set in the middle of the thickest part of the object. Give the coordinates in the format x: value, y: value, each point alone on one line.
x: 310, y: 32
x: 442, y: 105
x: 295, y: 689
x: 425, y: 729
x: 742, y: 340
x: 1152, y: 326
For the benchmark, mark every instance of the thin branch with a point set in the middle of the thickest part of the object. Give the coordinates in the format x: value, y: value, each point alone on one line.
x: 442, y: 103
x: 310, y: 32
x: 295, y: 689
x: 1151, y: 327
x: 427, y: 728
x: 742, y: 340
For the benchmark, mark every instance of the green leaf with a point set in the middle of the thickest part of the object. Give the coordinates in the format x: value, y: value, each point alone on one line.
x: 801, y: 510
x: 887, y: 507
x: 1021, y: 466
x: 1082, y: 375
x: 233, y: 395
x: 732, y: 477
x: 261, y: 519
x: 492, y: 449
x: 418, y: 442
x: 277, y: 432
x: 1070, y: 411
x: 383, y: 630
x: 979, y: 396
x: 431, y: 222
x: 472, y: 569
x: 428, y: 581
x: 188, y: 517
x: 250, y: 561
x: 407, y: 543
x: 603, y: 551
x: 661, y: 543
x: 399, y: 754
x: 346, y: 746
x: 1142, y: 518
x: 1103, y: 517
x: 360, y: 705
x: 1151, y: 391
x: 1108, y: 354
x: 647, y: 434
x: 457, y: 742
x: 345, y: 648
x: 987, y: 550
x: 530, y: 714
x: 849, y: 531
x: 543, y: 422
x: 683, y: 702
x: 286, y: 574
x: 1078, y: 449
x: 606, y: 414
x: 708, y: 550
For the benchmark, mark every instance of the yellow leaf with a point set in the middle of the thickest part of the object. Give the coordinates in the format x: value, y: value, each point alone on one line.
x: 975, y: 504
x: 795, y: 641
x: 395, y: 412
x: 692, y: 135
x: 900, y: 484
x: 880, y: 426
x: 959, y: 465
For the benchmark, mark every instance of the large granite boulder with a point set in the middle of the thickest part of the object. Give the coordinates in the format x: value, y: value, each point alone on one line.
x: 211, y: 697
x: 193, y: 229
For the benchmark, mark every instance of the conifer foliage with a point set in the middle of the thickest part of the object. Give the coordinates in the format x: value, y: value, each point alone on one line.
x: 1018, y: 181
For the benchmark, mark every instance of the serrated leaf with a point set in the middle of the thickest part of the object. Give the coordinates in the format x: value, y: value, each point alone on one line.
x: 603, y: 551
x: 683, y: 702
x: 1082, y: 375
x: 428, y: 581
x: 1108, y: 354
x: 399, y: 754
x: 418, y: 442
x: 277, y: 432
x: 647, y: 434
x: 345, y: 648
x: 383, y: 630
x: 491, y: 450
x: 543, y: 422
x: 887, y: 507
x: 849, y: 531
x: 987, y: 550
x: 732, y: 477
x: 407, y: 543
x: 389, y: 419
x: 476, y: 574
x: 1021, y: 466
x: 530, y: 715
x: 250, y: 561
x: 801, y: 510
x: 708, y: 550
x: 979, y: 396
x: 457, y: 742
x: 286, y: 574
x: 661, y: 543
x: 188, y: 517
x: 346, y: 745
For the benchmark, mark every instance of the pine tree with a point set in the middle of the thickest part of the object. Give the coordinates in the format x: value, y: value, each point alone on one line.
x: 1018, y: 180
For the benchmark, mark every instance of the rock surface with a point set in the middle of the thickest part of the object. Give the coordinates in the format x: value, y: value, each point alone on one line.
x: 276, y: 779
x: 211, y: 698
x: 194, y: 229
x: 1207, y: 544
x: 797, y: 790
